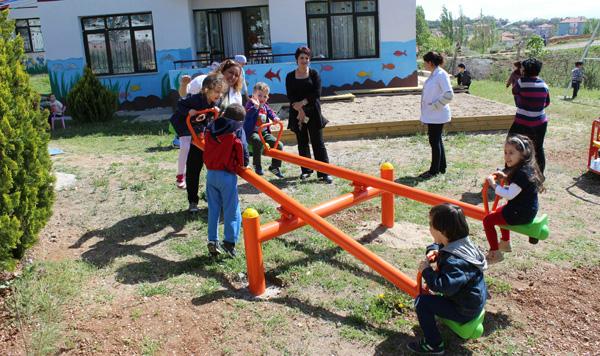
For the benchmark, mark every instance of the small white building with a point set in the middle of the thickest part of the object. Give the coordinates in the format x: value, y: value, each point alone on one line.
x: 140, y: 48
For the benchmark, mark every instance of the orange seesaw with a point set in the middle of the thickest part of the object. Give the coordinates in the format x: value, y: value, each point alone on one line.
x: 295, y: 215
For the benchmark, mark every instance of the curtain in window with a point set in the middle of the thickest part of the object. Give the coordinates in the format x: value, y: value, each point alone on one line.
x: 120, y: 51
x: 365, y: 30
x: 318, y: 37
x: 37, y: 41
x: 233, y: 39
x: 264, y: 16
x: 342, y: 36
x: 145, y: 50
x: 97, y: 50
x: 201, y: 23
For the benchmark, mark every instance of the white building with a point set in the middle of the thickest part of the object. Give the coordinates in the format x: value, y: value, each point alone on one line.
x: 139, y: 48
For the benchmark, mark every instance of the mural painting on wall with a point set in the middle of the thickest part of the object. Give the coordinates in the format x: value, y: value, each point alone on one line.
x: 395, y: 67
x: 36, y: 65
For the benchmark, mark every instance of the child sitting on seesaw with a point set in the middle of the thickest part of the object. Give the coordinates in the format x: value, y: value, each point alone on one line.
x: 258, y: 113
x: 523, y: 183
x: 455, y: 275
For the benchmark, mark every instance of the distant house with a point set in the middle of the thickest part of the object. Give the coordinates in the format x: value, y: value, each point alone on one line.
x: 140, y: 48
x: 508, y: 39
x: 545, y: 30
x: 571, y: 26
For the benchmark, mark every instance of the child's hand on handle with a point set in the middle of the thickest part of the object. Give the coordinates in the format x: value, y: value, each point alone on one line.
x: 491, y: 180
x: 423, y: 265
x: 432, y: 255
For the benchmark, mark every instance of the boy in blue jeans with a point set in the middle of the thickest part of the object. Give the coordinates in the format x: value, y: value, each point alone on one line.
x: 225, y: 150
x: 456, y: 276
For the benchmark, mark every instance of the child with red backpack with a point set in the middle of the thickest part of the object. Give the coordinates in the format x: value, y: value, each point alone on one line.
x: 225, y: 150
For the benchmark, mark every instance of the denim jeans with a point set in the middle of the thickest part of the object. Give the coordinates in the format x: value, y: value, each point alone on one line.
x: 428, y: 306
x: 222, y: 194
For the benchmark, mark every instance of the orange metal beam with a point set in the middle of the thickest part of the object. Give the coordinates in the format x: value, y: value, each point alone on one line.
x: 384, y: 268
x: 285, y: 225
x: 371, y: 181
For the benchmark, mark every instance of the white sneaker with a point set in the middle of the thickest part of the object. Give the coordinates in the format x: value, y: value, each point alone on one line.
x: 494, y: 256
x: 504, y: 246
x: 180, y: 181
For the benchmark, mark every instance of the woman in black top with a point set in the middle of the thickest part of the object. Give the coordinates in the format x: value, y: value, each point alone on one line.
x: 303, y: 87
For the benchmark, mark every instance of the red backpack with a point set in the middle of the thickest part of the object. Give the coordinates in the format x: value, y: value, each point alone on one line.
x: 225, y: 153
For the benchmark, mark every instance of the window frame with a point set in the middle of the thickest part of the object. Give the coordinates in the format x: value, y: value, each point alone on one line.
x: 29, y: 39
x: 106, y: 30
x: 354, y: 15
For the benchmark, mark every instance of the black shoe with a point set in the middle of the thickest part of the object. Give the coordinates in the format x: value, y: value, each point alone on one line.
x: 533, y: 240
x: 229, y: 248
x: 276, y: 172
x: 421, y: 347
x: 258, y: 170
x: 305, y: 176
x: 326, y: 179
x: 427, y: 175
x: 213, y: 248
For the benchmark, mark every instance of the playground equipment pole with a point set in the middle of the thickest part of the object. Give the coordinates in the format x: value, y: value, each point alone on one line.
x: 254, y: 257
x: 387, y: 199
x: 388, y: 271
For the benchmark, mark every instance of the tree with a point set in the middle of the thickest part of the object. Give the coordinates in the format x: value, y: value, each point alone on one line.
x: 423, y: 33
x: 461, y: 31
x: 535, y: 47
x: 447, y: 24
x: 590, y: 25
x: 90, y: 101
x: 484, y: 33
x: 26, y: 192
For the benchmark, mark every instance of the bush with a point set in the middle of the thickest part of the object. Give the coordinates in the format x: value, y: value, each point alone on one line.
x: 90, y: 101
x: 26, y: 192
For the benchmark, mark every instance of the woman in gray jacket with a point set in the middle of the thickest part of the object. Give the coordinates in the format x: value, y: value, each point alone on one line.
x: 435, y: 111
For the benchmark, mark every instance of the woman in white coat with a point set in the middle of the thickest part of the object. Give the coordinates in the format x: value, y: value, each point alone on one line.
x: 435, y: 111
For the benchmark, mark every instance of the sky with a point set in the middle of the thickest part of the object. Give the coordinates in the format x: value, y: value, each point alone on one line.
x: 513, y: 10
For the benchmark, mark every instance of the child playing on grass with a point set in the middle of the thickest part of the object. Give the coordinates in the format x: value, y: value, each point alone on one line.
x: 456, y: 277
x: 258, y: 112
x: 524, y: 182
x: 514, y: 77
x: 577, y: 77
x: 190, y: 156
x: 532, y: 97
x: 225, y: 150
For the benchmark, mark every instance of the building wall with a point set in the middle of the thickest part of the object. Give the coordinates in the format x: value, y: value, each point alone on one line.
x: 65, y: 53
x: 395, y: 67
x: 36, y: 61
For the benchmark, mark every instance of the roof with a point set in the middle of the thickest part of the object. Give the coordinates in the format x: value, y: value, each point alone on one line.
x: 546, y: 25
x: 574, y: 20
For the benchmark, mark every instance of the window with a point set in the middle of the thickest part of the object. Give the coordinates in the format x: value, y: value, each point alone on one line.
x: 223, y: 33
x: 342, y: 29
x: 31, y: 32
x: 119, y: 44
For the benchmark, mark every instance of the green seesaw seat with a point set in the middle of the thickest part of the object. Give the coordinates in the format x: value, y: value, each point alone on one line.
x: 470, y: 330
x: 536, y: 230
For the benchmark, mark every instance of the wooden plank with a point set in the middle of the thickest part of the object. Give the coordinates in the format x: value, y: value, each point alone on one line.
x: 338, y: 97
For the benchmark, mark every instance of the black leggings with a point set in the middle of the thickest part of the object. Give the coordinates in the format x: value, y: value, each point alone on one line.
x: 438, y: 154
x: 315, y: 134
x: 193, y: 166
x: 535, y: 134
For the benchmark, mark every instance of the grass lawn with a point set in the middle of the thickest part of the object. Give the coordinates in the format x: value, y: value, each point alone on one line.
x: 122, y: 267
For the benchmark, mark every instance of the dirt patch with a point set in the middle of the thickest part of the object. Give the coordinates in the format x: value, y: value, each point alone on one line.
x: 403, y: 235
x: 405, y: 107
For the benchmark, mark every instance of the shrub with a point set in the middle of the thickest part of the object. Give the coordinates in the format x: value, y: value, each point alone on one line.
x: 26, y: 192
x: 90, y: 101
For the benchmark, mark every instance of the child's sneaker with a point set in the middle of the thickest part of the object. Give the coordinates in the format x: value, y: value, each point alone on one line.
x: 494, y: 256
x: 180, y: 181
x: 258, y: 170
x: 213, y: 248
x: 276, y: 172
x: 229, y: 248
x: 504, y: 246
x: 193, y: 208
x: 421, y: 347
x: 533, y: 240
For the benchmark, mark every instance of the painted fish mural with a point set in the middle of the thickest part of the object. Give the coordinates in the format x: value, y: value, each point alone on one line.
x: 250, y: 71
x: 364, y: 74
x: 270, y: 75
x: 389, y: 66
x: 400, y: 53
x: 326, y: 68
x: 135, y: 87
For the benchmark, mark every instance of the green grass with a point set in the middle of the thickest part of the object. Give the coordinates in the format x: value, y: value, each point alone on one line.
x: 40, y: 297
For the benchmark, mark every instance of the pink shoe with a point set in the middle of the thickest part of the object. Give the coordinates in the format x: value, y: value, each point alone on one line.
x: 181, y: 181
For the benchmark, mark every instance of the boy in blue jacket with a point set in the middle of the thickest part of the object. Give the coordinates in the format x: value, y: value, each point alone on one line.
x: 258, y: 112
x: 455, y: 275
x: 225, y: 151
